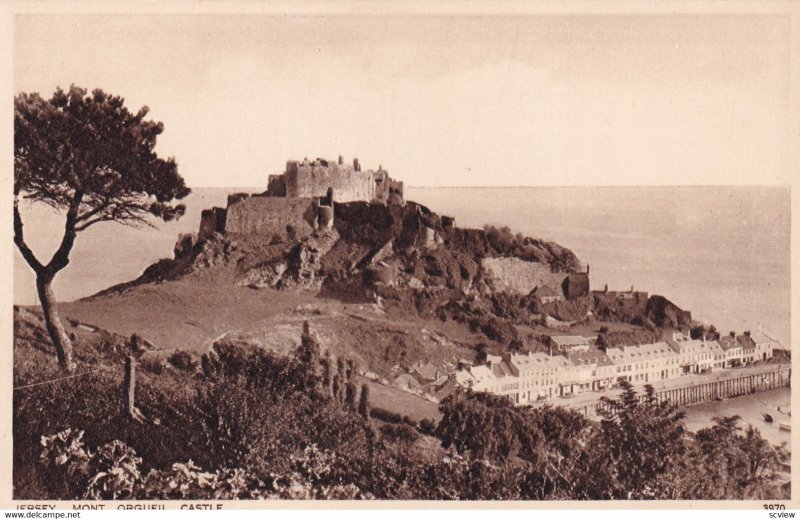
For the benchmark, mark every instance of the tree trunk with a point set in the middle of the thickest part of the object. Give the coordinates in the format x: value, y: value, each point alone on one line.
x: 54, y: 327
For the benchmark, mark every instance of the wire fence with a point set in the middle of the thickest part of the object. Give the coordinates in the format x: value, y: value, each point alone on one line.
x: 59, y: 379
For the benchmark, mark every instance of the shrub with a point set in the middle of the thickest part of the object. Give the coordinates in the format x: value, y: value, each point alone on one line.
x: 385, y: 415
x: 403, y: 433
x: 183, y: 360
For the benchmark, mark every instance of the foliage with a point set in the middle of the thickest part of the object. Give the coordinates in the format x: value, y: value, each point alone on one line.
x: 482, y: 424
x: 246, y: 429
x: 113, y: 472
x: 88, y: 153
x: 731, y: 461
x: 91, y: 157
x: 642, y: 440
x: 399, y: 433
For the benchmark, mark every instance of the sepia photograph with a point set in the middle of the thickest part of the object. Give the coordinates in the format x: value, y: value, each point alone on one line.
x: 350, y: 252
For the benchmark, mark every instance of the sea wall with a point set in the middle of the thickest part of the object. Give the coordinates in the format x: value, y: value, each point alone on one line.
x: 720, y: 389
x: 518, y: 276
x: 266, y: 216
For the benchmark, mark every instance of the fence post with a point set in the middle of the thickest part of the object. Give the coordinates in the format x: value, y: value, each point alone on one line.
x: 130, y: 385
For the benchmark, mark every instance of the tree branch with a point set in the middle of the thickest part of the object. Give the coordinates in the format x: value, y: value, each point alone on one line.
x: 89, y: 223
x: 61, y: 257
x: 19, y: 240
x: 88, y: 214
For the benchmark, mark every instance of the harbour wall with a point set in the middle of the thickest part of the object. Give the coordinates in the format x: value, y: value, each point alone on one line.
x: 717, y: 390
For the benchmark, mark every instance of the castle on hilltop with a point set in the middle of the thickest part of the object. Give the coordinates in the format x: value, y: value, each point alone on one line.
x: 301, y: 200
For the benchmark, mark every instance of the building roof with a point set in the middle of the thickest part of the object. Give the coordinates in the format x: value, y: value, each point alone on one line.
x: 727, y: 342
x: 538, y: 360
x: 427, y: 371
x: 566, y: 341
x: 692, y: 346
x: 408, y: 380
x: 465, y: 378
x: 482, y: 373
x: 746, y: 342
x: 501, y: 369
x: 759, y: 337
x: 589, y: 357
x: 628, y: 354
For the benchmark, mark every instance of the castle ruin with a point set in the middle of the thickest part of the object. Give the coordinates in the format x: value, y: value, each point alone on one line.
x: 306, y: 179
x: 301, y: 199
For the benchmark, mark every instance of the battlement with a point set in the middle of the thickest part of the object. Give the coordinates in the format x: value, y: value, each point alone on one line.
x: 313, y: 179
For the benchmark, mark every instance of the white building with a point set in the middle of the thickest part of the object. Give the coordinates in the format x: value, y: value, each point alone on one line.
x: 539, y: 375
x: 524, y: 379
x: 764, y: 345
x: 733, y: 350
x: 646, y: 363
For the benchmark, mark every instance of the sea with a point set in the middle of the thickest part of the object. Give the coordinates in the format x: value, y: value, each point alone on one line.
x: 721, y: 252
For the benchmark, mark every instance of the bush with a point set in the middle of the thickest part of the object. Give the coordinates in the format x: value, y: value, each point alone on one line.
x: 183, y: 360
x: 427, y: 426
x: 385, y: 415
x: 403, y: 433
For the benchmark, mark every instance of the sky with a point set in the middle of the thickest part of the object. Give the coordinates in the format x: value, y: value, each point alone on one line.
x: 539, y: 100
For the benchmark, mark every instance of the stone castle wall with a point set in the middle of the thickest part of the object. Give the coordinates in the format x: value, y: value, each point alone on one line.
x: 306, y: 179
x: 211, y: 221
x: 313, y: 181
x: 297, y: 202
x: 518, y: 276
x: 266, y: 216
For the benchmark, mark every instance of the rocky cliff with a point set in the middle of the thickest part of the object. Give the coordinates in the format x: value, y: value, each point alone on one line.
x: 405, y: 246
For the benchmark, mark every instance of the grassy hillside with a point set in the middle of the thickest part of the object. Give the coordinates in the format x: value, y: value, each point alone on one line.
x: 247, y: 423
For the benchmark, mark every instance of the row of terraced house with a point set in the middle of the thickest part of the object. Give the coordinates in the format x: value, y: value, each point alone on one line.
x: 578, y: 365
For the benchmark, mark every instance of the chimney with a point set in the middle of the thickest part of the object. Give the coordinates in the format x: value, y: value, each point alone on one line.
x: 587, y: 269
x: 341, y: 160
x: 356, y: 165
x: 733, y: 334
x: 747, y: 333
x: 631, y: 289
